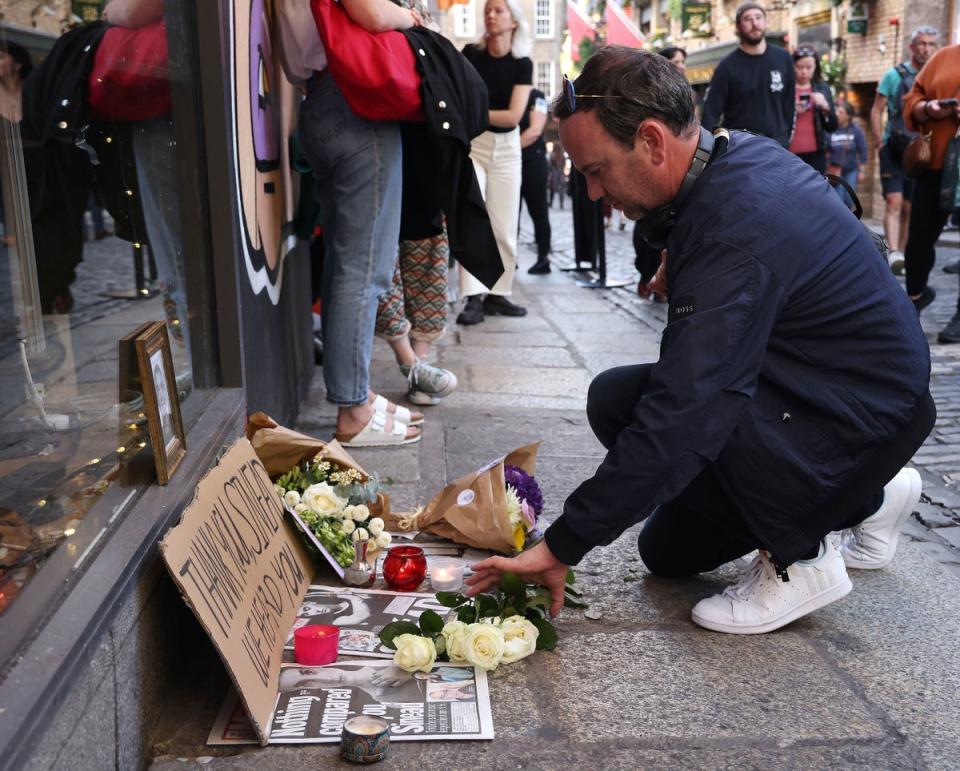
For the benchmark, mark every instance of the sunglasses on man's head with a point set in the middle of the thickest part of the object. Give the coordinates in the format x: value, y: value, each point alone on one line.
x: 570, y: 96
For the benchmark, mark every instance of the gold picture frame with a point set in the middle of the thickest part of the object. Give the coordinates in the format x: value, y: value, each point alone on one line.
x: 160, y: 399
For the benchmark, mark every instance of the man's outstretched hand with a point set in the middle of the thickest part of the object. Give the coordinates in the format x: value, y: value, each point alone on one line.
x: 538, y: 565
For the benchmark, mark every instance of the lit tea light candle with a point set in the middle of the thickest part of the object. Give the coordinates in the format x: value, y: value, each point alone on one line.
x: 446, y: 575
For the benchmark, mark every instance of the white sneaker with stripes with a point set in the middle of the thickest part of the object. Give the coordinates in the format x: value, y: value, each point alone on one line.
x: 762, y: 600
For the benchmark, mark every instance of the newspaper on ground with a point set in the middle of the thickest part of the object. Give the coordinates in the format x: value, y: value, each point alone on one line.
x: 360, y: 614
x: 449, y: 702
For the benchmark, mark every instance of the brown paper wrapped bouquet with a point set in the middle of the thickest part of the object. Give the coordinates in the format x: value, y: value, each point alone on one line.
x: 496, y: 507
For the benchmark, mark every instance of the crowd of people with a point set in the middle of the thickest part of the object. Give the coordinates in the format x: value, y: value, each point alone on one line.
x: 755, y: 89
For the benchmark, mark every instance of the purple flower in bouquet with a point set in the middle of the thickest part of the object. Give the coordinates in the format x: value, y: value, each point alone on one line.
x: 526, y: 486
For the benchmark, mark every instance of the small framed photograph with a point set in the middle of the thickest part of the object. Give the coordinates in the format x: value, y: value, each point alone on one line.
x: 160, y: 400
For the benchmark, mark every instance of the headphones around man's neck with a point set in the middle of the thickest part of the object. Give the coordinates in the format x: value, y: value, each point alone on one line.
x: 655, y: 227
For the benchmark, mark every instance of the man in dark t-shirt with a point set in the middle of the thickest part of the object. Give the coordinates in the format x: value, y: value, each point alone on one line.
x: 753, y: 87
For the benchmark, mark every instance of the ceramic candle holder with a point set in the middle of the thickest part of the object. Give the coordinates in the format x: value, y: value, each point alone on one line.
x: 364, y: 739
x: 316, y: 644
x: 446, y: 575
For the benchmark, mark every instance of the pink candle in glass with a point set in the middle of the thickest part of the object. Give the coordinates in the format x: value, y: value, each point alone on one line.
x: 316, y: 644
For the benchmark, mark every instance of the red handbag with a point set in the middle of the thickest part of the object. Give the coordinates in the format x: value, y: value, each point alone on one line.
x: 375, y: 71
x: 130, y: 78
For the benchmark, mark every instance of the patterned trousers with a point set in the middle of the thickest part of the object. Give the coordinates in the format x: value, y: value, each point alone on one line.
x: 416, y: 303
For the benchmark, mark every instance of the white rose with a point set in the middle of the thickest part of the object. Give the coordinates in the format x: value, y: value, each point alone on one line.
x: 520, y: 638
x: 300, y: 508
x: 358, y: 513
x: 347, y: 526
x: 414, y: 653
x: 383, y: 540
x: 375, y: 526
x: 361, y: 534
x: 483, y: 646
x: 280, y: 491
x: 321, y: 499
x: 292, y: 498
x: 454, y: 634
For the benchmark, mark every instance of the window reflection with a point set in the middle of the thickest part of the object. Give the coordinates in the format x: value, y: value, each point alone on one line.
x: 90, y: 248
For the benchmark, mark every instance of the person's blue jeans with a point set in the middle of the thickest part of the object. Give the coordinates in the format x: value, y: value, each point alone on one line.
x: 851, y: 178
x: 155, y: 151
x: 357, y: 164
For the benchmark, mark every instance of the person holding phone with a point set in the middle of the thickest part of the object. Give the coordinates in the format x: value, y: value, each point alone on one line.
x: 815, y: 116
x: 931, y: 106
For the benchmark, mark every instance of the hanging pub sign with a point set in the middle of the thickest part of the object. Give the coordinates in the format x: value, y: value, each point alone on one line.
x: 696, y: 20
x: 857, y: 18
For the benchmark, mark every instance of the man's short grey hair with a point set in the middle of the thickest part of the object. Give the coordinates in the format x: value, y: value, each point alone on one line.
x: 926, y: 29
x: 628, y: 86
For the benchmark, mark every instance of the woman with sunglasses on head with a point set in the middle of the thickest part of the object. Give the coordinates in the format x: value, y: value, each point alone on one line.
x: 500, y: 58
x: 815, y: 115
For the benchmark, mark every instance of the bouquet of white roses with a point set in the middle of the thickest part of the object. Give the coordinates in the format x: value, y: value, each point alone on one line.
x: 500, y: 627
x: 335, y: 503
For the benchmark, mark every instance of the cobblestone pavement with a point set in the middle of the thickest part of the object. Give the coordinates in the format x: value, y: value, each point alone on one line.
x: 936, y: 523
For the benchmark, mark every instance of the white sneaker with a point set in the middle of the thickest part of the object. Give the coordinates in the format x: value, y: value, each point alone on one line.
x: 429, y: 384
x: 896, y: 260
x: 761, y: 601
x: 872, y: 544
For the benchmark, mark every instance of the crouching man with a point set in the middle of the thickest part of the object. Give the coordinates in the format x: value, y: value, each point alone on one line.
x: 793, y: 379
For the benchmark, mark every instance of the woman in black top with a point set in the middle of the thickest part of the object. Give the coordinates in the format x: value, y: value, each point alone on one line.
x: 500, y: 59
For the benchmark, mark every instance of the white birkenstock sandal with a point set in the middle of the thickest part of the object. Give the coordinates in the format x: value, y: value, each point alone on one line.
x: 382, y: 404
x: 375, y: 434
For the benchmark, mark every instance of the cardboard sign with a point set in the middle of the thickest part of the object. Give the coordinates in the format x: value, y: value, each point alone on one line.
x: 243, y: 570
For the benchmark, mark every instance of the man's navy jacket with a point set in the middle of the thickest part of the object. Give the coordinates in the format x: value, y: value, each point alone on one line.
x: 790, y: 356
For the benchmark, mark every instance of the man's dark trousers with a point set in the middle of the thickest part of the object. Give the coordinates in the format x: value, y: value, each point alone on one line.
x: 701, y: 529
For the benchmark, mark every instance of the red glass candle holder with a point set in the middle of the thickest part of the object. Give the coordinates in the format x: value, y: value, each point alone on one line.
x: 316, y: 644
x: 404, y: 568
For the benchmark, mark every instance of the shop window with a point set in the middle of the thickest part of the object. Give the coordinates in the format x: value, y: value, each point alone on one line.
x: 91, y: 248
